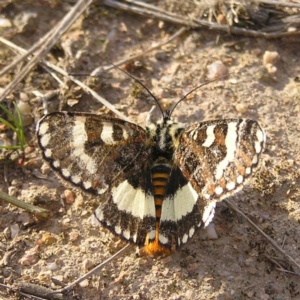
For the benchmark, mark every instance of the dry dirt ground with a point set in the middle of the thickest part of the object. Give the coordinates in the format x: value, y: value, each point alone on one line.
x: 239, y: 264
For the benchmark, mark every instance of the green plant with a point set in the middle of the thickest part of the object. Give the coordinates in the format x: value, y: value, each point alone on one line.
x: 15, y: 125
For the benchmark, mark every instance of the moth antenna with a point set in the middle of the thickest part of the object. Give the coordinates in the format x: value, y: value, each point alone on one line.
x: 140, y: 83
x: 193, y: 90
x: 148, y: 119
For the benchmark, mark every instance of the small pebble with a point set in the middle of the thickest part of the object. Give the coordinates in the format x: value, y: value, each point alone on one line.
x: 241, y: 108
x: 93, y: 220
x: 252, y: 270
x: 79, y: 202
x: 44, y: 276
x: 248, y: 262
x: 52, y: 266
x: 269, y: 59
x: 14, y: 229
x: 5, y: 23
x: 85, y: 213
x: 25, y: 98
x: 74, y: 235
x: 29, y: 150
x: 45, y: 169
x: 72, y: 102
x: 30, y: 257
x: 24, y: 218
x: 7, y: 233
x: 26, y: 113
x: 48, y: 239
x: 6, y: 271
x: 57, y: 281
x: 16, y: 183
x: 84, y: 283
x: 12, y: 191
x: 86, y: 264
x: 68, y: 195
x: 66, y: 222
x: 221, y: 19
x: 123, y: 27
x: 216, y: 70
x: 3, y: 127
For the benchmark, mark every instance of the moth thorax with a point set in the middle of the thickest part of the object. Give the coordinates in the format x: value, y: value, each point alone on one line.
x: 165, y: 135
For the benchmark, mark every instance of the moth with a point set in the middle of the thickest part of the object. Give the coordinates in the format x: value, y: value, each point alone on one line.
x: 160, y: 183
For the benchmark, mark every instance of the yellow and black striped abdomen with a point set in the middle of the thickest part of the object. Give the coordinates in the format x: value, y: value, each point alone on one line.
x: 159, y: 183
x: 160, y: 174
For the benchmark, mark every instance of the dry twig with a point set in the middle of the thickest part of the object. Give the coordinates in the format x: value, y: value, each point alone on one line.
x: 40, y: 213
x: 282, y: 29
x: 268, y: 238
x: 51, y: 39
x: 78, y: 82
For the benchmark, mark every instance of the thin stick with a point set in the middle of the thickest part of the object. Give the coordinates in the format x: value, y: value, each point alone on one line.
x: 93, y: 271
x: 40, y: 213
x: 280, y: 268
x: 27, y: 54
x: 24, y: 54
x: 279, y: 3
x: 153, y: 12
x: 66, y: 22
x: 268, y: 238
x: 78, y: 82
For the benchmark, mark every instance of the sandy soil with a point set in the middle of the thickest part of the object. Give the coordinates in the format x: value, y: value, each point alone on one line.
x: 237, y: 265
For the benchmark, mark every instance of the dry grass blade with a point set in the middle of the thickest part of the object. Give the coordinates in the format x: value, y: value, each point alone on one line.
x: 78, y: 82
x: 280, y: 267
x: 66, y: 22
x: 37, y: 291
x: 152, y: 12
x: 268, y: 238
x: 31, y: 291
x: 25, y: 54
x: 279, y: 3
x: 39, y: 212
x: 249, y: 20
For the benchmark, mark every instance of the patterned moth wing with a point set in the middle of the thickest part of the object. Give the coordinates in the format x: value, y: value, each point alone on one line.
x: 218, y: 156
x: 104, y: 156
x: 211, y: 160
x: 91, y: 151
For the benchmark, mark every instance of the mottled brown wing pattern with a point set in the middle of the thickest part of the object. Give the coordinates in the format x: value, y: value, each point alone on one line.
x: 218, y: 156
x: 91, y: 151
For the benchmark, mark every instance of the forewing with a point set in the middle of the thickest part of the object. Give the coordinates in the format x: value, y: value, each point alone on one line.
x: 216, y: 157
x: 91, y: 151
